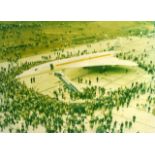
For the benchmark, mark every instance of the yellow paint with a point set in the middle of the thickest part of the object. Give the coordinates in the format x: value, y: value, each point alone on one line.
x: 65, y: 63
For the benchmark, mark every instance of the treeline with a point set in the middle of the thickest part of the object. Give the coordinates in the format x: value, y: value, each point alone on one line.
x: 19, y: 25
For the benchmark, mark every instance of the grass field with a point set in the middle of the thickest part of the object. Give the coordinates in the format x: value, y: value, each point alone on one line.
x: 30, y: 38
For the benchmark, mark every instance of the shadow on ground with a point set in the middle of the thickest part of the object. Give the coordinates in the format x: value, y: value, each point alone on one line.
x: 110, y: 69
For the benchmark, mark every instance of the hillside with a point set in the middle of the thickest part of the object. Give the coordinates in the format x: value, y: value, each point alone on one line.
x: 22, y: 39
